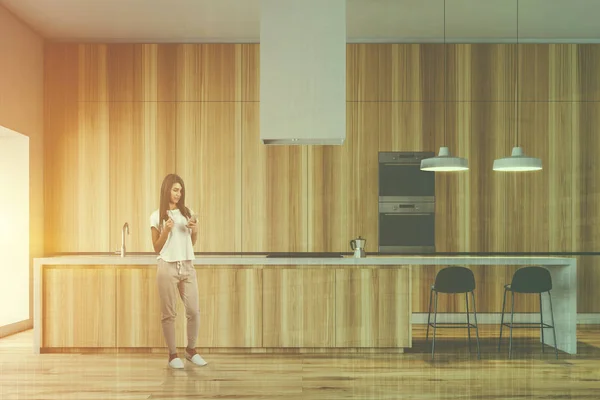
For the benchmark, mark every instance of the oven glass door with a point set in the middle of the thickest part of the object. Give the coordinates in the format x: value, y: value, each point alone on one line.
x: 406, y: 232
x: 405, y: 181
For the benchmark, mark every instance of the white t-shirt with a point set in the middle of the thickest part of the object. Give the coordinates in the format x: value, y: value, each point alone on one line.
x: 178, y: 246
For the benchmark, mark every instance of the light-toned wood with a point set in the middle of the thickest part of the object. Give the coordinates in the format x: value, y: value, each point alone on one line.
x: 373, y: 308
x: 273, y: 191
x: 411, y: 72
x: 587, y: 79
x: 362, y: 72
x: 299, y: 308
x: 131, y: 113
x: 231, y: 307
x: 342, y: 186
x: 207, y: 155
x: 480, y: 72
x: 530, y: 374
x: 250, y: 72
x: 79, y: 307
x: 361, y: 192
x: 138, y: 317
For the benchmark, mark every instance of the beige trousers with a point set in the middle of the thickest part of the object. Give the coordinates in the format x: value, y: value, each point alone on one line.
x: 178, y: 278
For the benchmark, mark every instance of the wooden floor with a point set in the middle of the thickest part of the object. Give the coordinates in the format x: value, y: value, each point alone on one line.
x: 453, y: 375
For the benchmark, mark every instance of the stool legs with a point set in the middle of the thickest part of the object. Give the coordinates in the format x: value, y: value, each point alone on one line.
x: 553, y: 330
x: 434, y: 326
x: 431, y: 303
x: 476, y: 326
x: 468, y: 321
x: 428, y: 317
x: 502, y: 320
x: 512, y: 320
x: 542, y: 324
x: 512, y: 313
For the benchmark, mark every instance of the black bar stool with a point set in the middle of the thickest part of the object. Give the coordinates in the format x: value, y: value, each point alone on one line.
x: 453, y: 280
x: 528, y: 280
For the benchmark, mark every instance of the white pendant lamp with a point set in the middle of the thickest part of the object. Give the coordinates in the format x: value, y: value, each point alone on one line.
x: 444, y: 162
x: 518, y: 161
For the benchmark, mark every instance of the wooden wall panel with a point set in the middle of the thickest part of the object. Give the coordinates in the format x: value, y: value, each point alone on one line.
x: 120, y: 117
x: 208, y: 157
x: 586, y: 119
x: 411, y: 72
x: 274, y: 191
x: 329, y: 175
x: 250, y: 72
x: 60, y: 131
x: 547, y: 72
x: 558, y: 167
x: 586, y: 199
x: 92, y: 73
x: 145, y: 72
x: 362, y: 72
x: 397, y: 121
x: 361, y: 194
x: 481, y: 72
x: 347, y: 207
x: 587, y: 69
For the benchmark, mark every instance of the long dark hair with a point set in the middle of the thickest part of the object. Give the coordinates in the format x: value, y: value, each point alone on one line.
x: 165, y: 197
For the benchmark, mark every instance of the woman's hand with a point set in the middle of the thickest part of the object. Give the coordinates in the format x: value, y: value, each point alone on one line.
x: 168, y: 226
x: 192, y: 224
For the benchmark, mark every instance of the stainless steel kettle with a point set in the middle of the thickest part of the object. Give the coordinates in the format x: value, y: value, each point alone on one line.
x: 358, y: 245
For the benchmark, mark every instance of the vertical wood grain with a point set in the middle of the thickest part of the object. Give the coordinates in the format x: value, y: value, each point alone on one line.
x: 481, y: 72
x: 250, y: 72
x: 138, y: 316
x: 288, y: 295
x: 72, y: 315
x: 274, y: 191
x: 119, y: 117
x: 207, y: 156
x: 411, y: 72
x: 362, y: 72
x: 372, y: 308
x: 61, y: 83
x: 587, y: 69
x: 230, y: 307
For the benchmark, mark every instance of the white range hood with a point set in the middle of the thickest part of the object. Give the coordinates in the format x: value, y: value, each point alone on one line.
x: 303, y: 72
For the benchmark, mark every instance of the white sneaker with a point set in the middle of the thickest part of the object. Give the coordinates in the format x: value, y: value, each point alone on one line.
x: 176, y: 363
x: 196, y: 359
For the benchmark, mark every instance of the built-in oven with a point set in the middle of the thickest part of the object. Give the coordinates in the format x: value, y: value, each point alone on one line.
x: 401, y: 178
x: 407, y: 227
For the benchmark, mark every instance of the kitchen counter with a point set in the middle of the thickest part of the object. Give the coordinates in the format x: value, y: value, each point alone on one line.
x: 258, y: 303
x: 263, y: 260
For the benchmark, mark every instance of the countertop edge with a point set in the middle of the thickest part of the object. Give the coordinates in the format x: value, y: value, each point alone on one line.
x: 263, y: 261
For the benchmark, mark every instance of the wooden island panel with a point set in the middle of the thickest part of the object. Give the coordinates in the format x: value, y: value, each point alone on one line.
x: 78, y: 307
x: 299, y: 307
x: 373, y: 307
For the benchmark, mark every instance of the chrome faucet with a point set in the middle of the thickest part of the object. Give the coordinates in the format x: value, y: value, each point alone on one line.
x: 125, y: 227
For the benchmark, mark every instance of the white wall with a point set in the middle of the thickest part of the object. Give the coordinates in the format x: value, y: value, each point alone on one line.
x: 14, y: 227
x: 22, y: 110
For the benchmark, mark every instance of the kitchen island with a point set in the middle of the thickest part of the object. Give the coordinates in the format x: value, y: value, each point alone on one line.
x: 105, y: 303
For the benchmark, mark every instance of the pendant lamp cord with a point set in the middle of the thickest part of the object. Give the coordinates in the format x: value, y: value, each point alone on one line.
x: 517, y: 88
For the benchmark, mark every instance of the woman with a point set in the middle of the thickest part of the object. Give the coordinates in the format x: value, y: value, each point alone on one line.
x: 174, y: 233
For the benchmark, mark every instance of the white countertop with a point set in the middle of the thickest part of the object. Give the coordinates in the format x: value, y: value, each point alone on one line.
x: 347, y: 260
